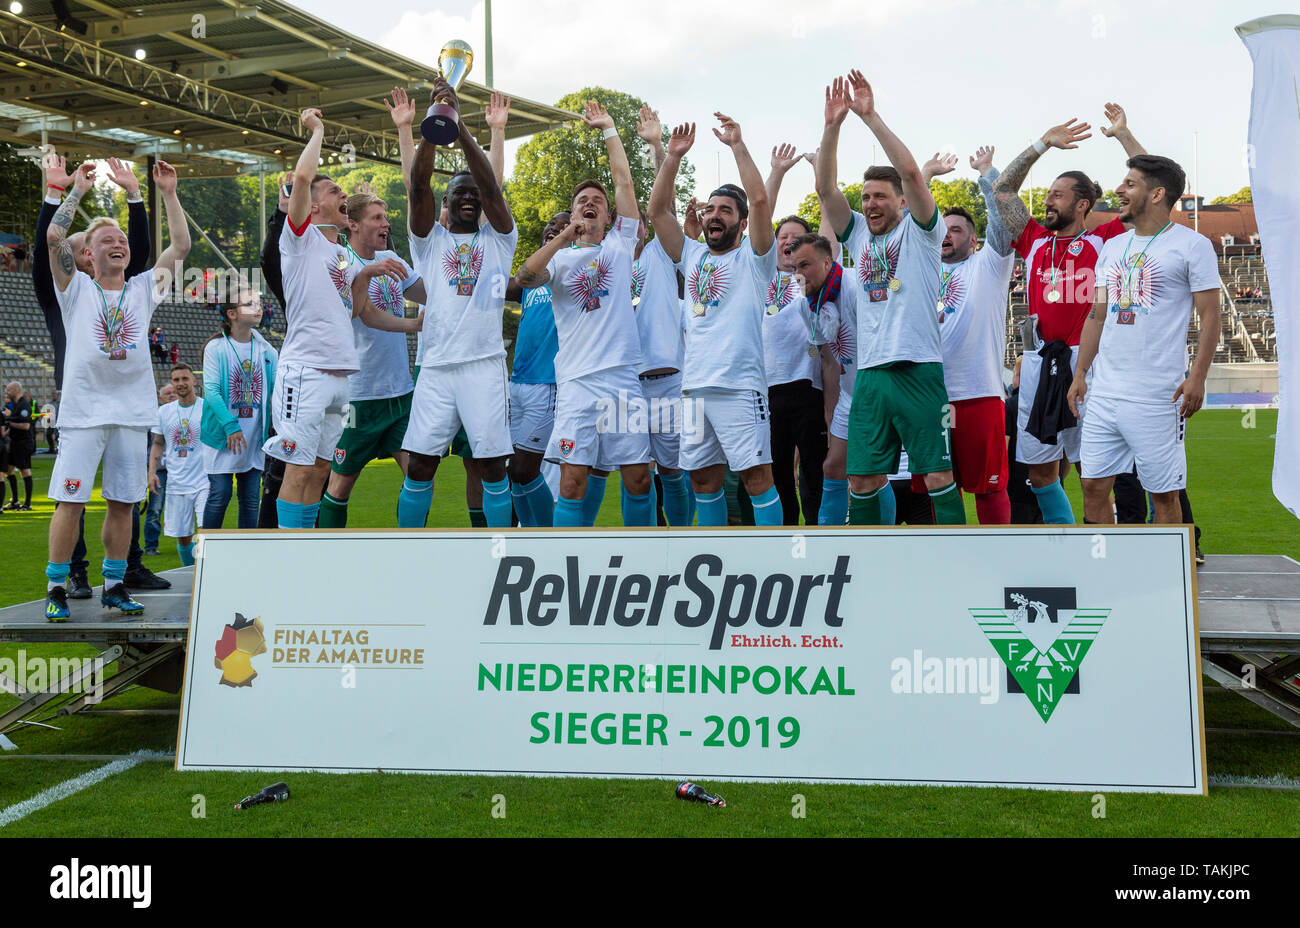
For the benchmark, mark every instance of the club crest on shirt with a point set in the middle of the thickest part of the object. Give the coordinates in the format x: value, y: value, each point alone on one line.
x: 589, y: 284
x: 870, y: 272
x: 707, y: 284
x: 71, y: 486
x: 288, y: 447
x: 115, y: 331
x: 459, y: 258
x: 1075, y: 248
x: 340, y: 455
x: 781, y: 289
x: 566, y: 447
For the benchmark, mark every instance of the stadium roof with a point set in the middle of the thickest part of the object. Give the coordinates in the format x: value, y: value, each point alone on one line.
x: 219, y: 89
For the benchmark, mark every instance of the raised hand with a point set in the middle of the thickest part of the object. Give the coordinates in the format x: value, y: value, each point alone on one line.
x: 498, y: 111
x: 811, y: 156
x: 1068, y: 134
x: 443, y: 92
x: 594, y: 115
x: 982, y: 160
x: 311, y: 120
x: 862, y: 99
x: 401, y: 108
x: 83, y: 178
x: 729, y: 135
x: 784, y: 157
x: 648, y: 126
x: 939, y: 164
x: 692, y: 227
x: 573, y: 230
x: 365, y: 187
x: 683, y: 137
x: 56, y: 170
x: 164, y: 175
x: 283, y: 203
x: 1118, y: 120
x: 123, y: 176
x: 837, y: 102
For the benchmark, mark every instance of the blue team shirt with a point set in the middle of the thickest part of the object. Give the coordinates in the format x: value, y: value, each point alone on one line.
x: 536, y: 343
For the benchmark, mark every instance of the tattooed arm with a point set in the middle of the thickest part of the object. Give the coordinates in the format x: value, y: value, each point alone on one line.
x: 63, y: 264
x: 1015, y: 216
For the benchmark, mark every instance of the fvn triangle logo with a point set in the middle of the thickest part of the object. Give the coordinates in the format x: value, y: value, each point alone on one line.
x: 1044, y: 665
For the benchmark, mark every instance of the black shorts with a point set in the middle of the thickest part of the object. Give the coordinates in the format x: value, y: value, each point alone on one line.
x: 20, y: 454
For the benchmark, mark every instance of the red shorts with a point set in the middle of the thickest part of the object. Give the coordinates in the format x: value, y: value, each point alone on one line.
x: 979, y: 445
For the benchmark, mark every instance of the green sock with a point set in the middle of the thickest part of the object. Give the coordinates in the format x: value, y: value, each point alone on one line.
x: 477, y: 519
x: 333, y: 513
x: 865, y: 510
x: 948, y: 508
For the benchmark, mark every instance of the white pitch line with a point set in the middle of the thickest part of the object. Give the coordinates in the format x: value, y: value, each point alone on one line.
x: 67, y: 788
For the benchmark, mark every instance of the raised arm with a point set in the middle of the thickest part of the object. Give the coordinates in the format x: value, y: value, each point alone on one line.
x: 995, y: 233
x: 784, y: 157
x: 168, y: 268
x: 489, y: 189
x: 534, y: 272
x: 1015, y: 216
x: 620, y: 171
x: 761, y: 235
x: 423, y: 213
x: 63, y: 263
x: 402, y: 110
x: 57, y: 183
x: 1119, y: 131
x: 663, y: 210
x: 915, y: 189
x: 936, y: 166
x: 303, y: 172
x: 137, y: 220
x: 497, y: 115
x: 835, y: 206
x: 651, y: 131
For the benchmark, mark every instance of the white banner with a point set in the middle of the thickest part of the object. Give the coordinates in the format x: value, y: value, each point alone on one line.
x: 1274, y: 157
x: 1060, y: 658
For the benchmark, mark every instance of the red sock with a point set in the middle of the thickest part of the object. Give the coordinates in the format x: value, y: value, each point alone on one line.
x: 993, y: 508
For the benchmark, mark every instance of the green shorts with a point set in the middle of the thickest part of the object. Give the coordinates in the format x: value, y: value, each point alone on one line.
x: 461, y: 447
x: 376, y: 428
x: 900, y: 405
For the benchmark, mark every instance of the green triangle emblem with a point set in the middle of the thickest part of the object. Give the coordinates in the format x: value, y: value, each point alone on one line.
x: 1042, y: 674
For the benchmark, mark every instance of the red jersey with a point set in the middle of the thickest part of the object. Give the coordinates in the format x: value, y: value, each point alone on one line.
x: 1068, y: 266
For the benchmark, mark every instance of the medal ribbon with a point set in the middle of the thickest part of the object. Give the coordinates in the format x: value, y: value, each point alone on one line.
x: 1137, y: 262
x: 1064, y: 252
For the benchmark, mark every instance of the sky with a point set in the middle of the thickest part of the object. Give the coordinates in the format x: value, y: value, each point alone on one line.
x: 949, y: 75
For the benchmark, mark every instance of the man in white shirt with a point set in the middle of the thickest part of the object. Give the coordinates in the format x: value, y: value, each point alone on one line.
x: 109, y: 403
x: 463, y: 377
x: 724, y: 383
x: 177, y: 436
x: 600, y: 413
x: 1135, y: 342
x: 319, y: 350
x: 899, y: 395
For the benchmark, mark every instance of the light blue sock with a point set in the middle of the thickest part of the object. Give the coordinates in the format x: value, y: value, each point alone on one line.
x: 520, y: 501
x: 767, y: 507
x: 57, y: 574
x: 288, y: 515
x: 187, y: 553
x: 496, y: 503
x: 309, y: 515
x: 835, y: 502
x: 540, y: 503
x: 712, y: 509
x: 114, y: 571
x: 568, y: 513
x: 639, y: 510
x: 690, y: 513
x: 888, y: 505
x: 413, y: 503
x: 1054, y: 504
x: 595, y: 496
x: 677, y: 498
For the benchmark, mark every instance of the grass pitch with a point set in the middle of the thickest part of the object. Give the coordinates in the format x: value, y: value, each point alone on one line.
x: 1230, y: 463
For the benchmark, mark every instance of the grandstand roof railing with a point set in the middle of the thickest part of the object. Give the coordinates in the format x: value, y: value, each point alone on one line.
x: 220, y: 88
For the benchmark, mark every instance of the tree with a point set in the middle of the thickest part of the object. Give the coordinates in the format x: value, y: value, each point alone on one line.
x: 963, y: 193
x: 811, y: 210
x: 548, y: 166
x: 20, y: 192
x: 1241, y: 196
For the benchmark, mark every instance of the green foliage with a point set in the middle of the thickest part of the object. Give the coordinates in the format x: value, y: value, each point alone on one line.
x: 963, y: 193
x: 20, y: 194
x: 1241, y: 196
x: 811, y: 210
x: 550, y: 165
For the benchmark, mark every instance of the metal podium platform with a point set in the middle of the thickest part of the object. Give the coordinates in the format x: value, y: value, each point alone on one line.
x: 141, y: 645
x: 1249, y: 623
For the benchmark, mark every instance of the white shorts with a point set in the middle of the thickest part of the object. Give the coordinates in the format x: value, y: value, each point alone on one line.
x: 532, y: 415
x: 307, y: 410
x: 125, y: 453
x: 840, y: 417
x: 663, y: 397
x: 731, y: 427
x: 476, y: 394
x: 601, y: 421
x: 1120, y: 433
x: 183, y: 512
x: 1029, y: 450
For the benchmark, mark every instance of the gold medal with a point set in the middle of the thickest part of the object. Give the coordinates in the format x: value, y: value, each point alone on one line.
x: 894, y: 284
x: 343, y: 262
x: 941, y: 307
x: 1125, y: 302
x: 772, y: 310
x: 812, y: 351
x: 1141, y: 260
x: 1053, y: 296
x: 699, y: 309
x: 636, y: 301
